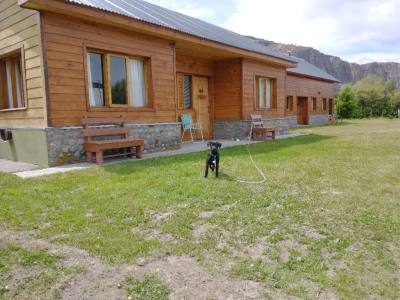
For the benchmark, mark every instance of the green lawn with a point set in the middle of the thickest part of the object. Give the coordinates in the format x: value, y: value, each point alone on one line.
x: 326, y: 222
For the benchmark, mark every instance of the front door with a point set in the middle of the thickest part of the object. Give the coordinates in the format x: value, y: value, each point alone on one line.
x: 302, y: 111
x: 201, y: 104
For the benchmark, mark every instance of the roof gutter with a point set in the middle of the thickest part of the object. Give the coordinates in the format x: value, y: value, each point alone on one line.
x: 124, y: 22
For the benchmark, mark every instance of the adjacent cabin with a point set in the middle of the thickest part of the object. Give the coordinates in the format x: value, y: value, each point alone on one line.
x: 61, y: 60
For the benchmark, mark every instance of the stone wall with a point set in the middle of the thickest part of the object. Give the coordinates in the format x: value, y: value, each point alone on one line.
x: 318, y: 120
x: 65, y: 144
x: 240, y: 129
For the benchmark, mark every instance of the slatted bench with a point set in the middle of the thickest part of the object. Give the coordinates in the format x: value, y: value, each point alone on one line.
x: 110, y: 134
x: 259, y: 131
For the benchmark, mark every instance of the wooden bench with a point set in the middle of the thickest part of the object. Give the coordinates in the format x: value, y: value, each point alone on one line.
x: 259, y: 131
x: 109, y: 134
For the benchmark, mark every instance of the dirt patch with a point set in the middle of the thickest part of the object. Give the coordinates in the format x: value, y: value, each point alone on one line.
x: 312, y: 233
x: 201, y: 229
x: 189, y: 280
x: 212, y: 213
x: 97, y: 281
x: 288, y: 245
x: 332, y: 265
x: 162, y: 217
x: 182, y: 274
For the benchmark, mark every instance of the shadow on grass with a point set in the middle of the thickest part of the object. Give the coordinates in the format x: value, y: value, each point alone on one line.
x: 137, y: 167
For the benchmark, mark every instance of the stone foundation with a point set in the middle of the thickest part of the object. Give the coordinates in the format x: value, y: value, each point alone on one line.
x: 227, y: 130
x: 65, y: 145
x: 315, y: 120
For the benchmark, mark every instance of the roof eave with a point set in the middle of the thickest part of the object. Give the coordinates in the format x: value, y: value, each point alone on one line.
x: 298, y: 74
x: 110, y: 18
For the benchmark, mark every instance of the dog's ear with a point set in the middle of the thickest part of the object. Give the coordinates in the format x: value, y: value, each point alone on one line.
x: 219, y: 145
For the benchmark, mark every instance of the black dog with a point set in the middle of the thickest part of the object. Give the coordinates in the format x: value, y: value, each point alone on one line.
x: 212, y: 161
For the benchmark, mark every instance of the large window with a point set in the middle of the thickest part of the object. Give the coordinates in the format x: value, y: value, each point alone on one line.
x: 126, y: 80
x: 266, y: 95
x: 11, y: 82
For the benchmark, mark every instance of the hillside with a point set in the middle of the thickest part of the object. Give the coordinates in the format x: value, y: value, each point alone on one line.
x: 341, y: 69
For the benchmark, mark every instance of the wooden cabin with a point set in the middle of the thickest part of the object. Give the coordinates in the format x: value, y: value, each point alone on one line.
x: 61, y: 60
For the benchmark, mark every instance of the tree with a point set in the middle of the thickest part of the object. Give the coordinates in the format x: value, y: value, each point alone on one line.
x: 370, y: 93
x: 345, y: 102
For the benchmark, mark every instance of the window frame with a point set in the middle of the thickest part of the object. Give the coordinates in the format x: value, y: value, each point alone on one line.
x: 324, y: 104
x: 127, y: 79
x: 314, y: 104
x: 17, y: 50
x: 289, y: 104
x: 108, y: 105
x: 273, y: 96
x: 191, y: 91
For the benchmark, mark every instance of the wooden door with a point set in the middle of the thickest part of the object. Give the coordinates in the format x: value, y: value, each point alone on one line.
x: 330, y: 106
x: 201, y: 104
x: 302, y: 111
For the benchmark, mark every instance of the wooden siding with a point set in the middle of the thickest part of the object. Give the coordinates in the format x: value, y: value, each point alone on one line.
x: 66, y: 40
x: 228, y: 90
x: 253, y: 69
x: 298, y: 86
x: 194, y: 65
x: 20, y: 29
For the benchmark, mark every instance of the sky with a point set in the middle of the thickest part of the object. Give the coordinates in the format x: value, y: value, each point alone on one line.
x: 356, y: 30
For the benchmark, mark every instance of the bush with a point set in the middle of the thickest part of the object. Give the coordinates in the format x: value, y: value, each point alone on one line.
x: 345, y: 103
x: 369, y: 97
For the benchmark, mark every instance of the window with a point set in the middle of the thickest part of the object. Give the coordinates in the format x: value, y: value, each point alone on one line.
x: 289, y: 103
x: 118, y: 80
x: 126, y: 81
x: 11, y: 82
x: 266, y: 93
x: 324, y: 104
x: 138, y: 83
x: 96, y: 80
x: 187, y: 91
x: 314, y: 104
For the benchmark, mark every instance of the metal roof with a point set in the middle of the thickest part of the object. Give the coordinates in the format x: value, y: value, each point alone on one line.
x: 151, y: 13
x: 306, y: 68
x: 154, y: 14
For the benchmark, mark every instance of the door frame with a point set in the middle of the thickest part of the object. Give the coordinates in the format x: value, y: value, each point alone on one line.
x: 192, y: 110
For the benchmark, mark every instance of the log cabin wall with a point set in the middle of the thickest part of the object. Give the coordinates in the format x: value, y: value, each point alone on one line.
x: 20, y: 31
x: 228, y: 90
x: 298, y: 86
x: 66, y: 40
x: 253, y: 69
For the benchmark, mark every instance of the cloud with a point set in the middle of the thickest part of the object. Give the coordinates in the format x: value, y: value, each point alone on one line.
x: 348, y: 28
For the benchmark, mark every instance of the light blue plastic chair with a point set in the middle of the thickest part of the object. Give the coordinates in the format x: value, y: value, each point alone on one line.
x: 189, y: 126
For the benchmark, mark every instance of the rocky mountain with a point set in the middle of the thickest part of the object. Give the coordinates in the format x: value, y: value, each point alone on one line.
x: 345, y: 71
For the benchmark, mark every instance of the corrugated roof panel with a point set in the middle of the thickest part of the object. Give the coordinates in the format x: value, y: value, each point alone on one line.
x: 305, y: 68
x: 151, y: 13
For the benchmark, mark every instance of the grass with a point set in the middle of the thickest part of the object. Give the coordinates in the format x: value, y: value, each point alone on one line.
x: 327, y: 219
x: 33, y: 274
x: 148, y: 288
